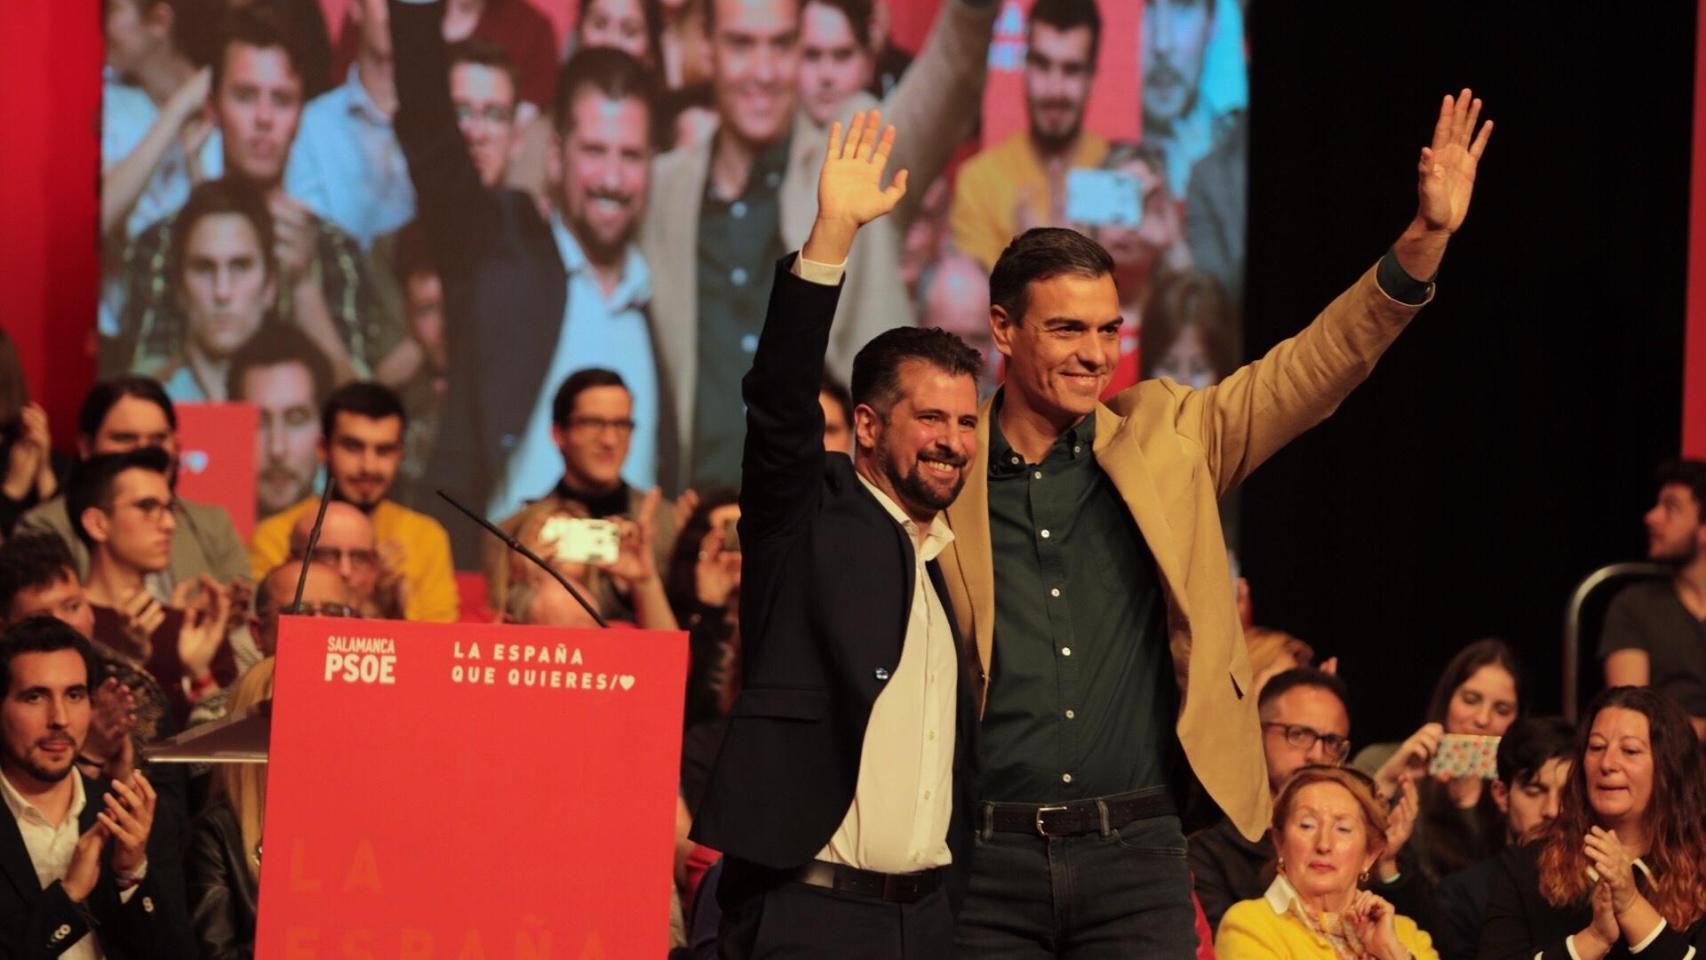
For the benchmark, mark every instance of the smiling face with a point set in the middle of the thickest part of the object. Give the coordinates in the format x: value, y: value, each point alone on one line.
x: 755, y: 56
x: 919, y: 448
x: 1059, y: 65
x: 606, y: 158
x: 1061, y: 355
x: 1325, y: 842
x: 1485, y: 704
x: 833, y: 66
x: 484, y: 98
x: 1618, y: 766
x: 45, y: 716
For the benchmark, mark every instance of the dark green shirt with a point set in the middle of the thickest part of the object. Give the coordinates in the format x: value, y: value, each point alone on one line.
x: 1081, y: 698
x: 740, y: 241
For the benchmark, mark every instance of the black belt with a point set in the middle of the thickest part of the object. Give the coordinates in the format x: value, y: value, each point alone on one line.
x: 1077, y: 816
x: 892, y: 887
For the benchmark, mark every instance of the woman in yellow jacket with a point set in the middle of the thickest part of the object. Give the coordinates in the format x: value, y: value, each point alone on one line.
x: 1329, y: 829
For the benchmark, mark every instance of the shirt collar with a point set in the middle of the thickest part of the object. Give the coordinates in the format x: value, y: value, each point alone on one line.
x: 635, y: 287
x: 360, y: 102
x: 936, y: 539
x: 23, y: 809
x: 1281, y: 895
x: 1078, y: 440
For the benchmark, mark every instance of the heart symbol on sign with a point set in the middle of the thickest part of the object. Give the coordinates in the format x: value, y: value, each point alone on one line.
x: 196, y: 460
x: 626, y: 680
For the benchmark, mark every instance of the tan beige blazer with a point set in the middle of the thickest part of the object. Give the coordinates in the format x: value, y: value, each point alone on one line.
x: 1172, y: 453
x: 932, y: 109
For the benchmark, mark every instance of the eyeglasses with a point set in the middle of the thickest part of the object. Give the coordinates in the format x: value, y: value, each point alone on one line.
x: 599, y: 425
x: 152, y: 508
x: 1304, y: 738
x: 493, y: 114
x: 334, y: 557
x: 306, y: 609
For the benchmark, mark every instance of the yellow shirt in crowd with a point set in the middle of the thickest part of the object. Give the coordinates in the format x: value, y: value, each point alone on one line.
x: 1269, y: 928
x: 427, y: 567
x: 984, y: 216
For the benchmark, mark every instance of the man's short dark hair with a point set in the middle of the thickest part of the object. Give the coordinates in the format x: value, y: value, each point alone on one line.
x: 1042, y: 253
x: 32, y: 561
x: 577, y: 383
x: 256, y: 25
x: 92, y: 483
x: 614, y: 75
x: 1066, y: 15
x: 484, y: 52
x: 45, y: 634
x: 212, y: 198
x: 876, y: 368
x: 276, y: 345
x: 363, y: 398
x: 1687, y: 473
x: 836, y: 390
x: 858, y: 14
x: 1283, y: 682
x: 711, y: 16
x: 1530, y: 743
x: 103, y: 396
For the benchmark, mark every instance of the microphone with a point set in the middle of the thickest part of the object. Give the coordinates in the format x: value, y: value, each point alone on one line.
x: 521, y: 548
x: 313, y: 541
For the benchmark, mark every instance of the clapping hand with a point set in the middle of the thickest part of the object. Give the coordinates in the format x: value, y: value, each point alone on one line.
x: 142, y: 615
x: 128, y: 818
x: 205, y: 620
x: 1615, y: 867
x: 112, y: 719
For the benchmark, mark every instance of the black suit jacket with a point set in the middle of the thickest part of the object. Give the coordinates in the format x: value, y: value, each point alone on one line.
x: 38, y: 923
x: 504, y: 284
x: 826, y: 592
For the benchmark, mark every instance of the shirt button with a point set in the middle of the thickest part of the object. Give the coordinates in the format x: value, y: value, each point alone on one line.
x: 1066, y: 651
x: 930, y: 736
x: 773, y: 179
x: 737, y: 209
x: 1055, y: 592
x: 1066, y: 778
x: 1076, y: 448
x: 1070, y: 714
x: 1015, y: 460
x: 737, y: 276
x: 1045, y: 534
x: 926, y: 794
x: 1037, y: 476
x: 749, y: 343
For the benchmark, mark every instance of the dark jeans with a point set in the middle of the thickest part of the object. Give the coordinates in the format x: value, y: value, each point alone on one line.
x: 764, y: 919
x: 1126, y: 893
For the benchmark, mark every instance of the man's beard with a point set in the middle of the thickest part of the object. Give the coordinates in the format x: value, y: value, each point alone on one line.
x: 1053, y: 141
x: 1683, y: 557
x: 913, y: 487
x: 36, y: 772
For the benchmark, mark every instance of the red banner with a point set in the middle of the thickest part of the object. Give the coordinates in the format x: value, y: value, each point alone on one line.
x: 217, y: 458
x: 1694, y: 349
x: 465, y: 791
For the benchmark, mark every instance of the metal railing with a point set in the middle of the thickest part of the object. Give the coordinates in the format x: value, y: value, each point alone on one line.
x: 1573, y: 619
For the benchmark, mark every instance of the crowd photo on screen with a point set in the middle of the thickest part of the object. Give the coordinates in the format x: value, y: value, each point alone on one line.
x: 574, y: 261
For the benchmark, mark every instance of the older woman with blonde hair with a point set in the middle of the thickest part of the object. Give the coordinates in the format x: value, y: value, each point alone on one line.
x: 1329, y: 830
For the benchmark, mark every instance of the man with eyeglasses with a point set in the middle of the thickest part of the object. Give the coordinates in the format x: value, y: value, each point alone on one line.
x: 595, y: 423
x: 349, y: 547
x: 361, y: 444
x: 126, y: 516
x: 324, y: 594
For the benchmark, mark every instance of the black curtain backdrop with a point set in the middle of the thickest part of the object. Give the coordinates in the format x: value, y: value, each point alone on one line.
x: 1505, y: 446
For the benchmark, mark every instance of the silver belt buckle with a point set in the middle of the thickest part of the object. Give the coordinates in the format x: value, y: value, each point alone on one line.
x: 1042, y: 830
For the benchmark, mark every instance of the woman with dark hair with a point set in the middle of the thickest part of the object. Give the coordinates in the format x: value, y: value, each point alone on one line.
x: 1480, y: 693
x: 31, y: 472
x: 1190, y: 330
x: 1622, y: 870
x: 703, y: 584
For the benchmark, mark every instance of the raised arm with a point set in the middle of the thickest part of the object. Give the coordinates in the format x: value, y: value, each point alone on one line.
x: 456, y: 209
x: 783, y: 459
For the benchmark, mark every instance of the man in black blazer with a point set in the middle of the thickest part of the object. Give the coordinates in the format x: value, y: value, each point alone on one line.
x: 841, y: 793
x: 80, y: 857
x: 508, y: 268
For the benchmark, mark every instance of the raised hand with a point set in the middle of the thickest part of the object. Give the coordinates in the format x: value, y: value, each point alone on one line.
x: 1400, y: 825
x: 1411, y: 758
x: 1447, y: 168
x: 850, y: 193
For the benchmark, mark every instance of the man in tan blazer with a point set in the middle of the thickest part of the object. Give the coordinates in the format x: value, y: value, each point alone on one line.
x: 722, y: 212
x: 1088, y: 542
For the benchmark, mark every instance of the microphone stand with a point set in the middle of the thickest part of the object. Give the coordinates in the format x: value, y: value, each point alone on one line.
x: 521, y: 548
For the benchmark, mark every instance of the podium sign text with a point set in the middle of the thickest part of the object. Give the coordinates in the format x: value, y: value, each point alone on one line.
x: 470, y: 791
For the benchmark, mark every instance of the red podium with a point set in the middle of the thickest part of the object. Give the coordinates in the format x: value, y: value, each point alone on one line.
x: 470, y: 791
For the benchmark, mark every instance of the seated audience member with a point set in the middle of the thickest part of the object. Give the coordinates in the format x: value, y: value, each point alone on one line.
x: 535, y: 596
x: 483, y: 96
x: 1480, y: 693
x: 221, y: 264
x: 835, y: 57
x: 349, y: 547
x: 121, y: 415
x: 361, y: 445
x: 1142, y: 254
x: 593, y: 427
x: 324, y: 283
x: 1190, y: 331
x: 32, y: 468
x: 95, y: 870
x: 222, y: 866
x: 631, y: 26
x: 837, y: 405
x: 126, y: 517
x: 1534, y: 765
x: 1655, y: 631
x: 703, y: 583
x: 324, y: 594
x: 281, y: 373
x: 955, y: 295
x: 156, y: 142
x: 130, y: 708
x: 1622, y: 870
x: 1304, y: 722
x: 346, y: 165
x: 1329, y: 829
